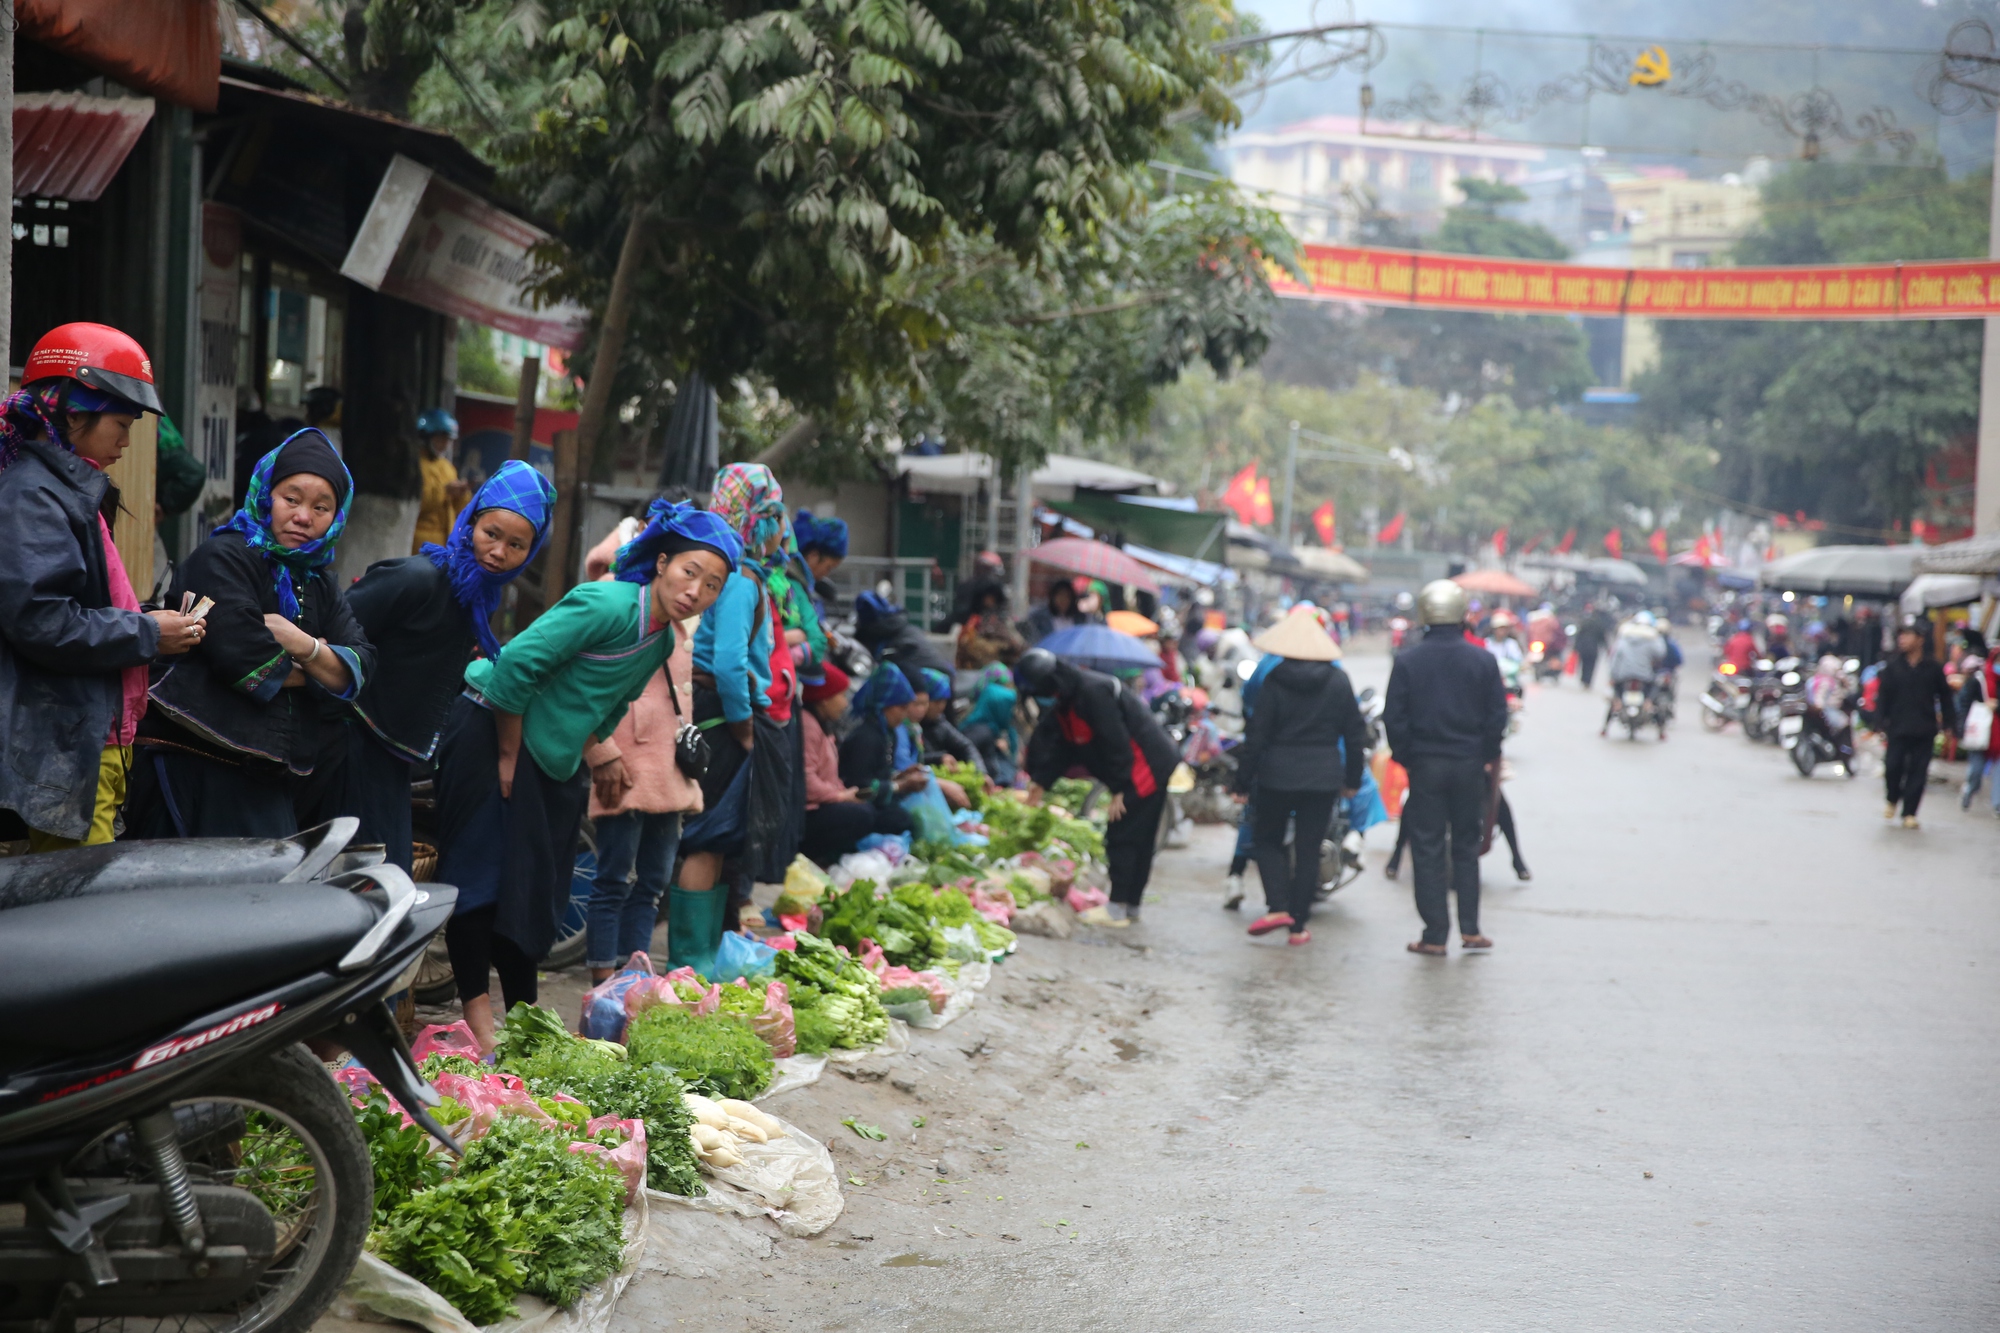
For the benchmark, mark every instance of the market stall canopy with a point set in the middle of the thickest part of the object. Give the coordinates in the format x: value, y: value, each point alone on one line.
x: 1859, y: 571
x: 1197, y: 534
x: 1058, y: 478
x: 69, y: 146
x: 1598, y: 568
x: 1094, y: 560
x: 1099, y: 647
x: 1493, y: 582
x: 1974, y: 555
x: 1933, y: 590
x: 1332, y: 566
x: 171, y: 49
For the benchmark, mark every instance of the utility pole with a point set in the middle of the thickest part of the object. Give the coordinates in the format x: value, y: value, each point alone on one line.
x: 1291, y: 481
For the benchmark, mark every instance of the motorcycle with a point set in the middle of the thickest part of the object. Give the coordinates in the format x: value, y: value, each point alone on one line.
x: 169, y: 1151
x: 1826, y: 735
x: 1399, y: 634
x: 1791, y: 706
x: 1633, y: 705
x: 1726, y: 700
x: 1767, y: 690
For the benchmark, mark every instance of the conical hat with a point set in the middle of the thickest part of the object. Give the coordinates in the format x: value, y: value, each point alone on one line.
x: 1131, y: 622
x: 1300, y: 637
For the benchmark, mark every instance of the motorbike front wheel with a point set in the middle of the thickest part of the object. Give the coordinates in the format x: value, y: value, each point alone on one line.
x: 1805, y: 755
x: 280, y: 1130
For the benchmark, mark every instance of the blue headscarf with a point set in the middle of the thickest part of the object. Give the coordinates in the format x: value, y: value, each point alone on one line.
x: 933, y: 682
x: 519, y: 489
x: 828, y: 535
x: 885, y: 689
x: 671, y: 528
x: 307, y: 451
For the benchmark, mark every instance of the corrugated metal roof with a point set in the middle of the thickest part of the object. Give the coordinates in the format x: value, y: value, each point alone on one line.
x: 69, y: 146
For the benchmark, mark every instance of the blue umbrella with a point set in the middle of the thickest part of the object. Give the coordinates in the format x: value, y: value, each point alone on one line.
x: 1100, y: 647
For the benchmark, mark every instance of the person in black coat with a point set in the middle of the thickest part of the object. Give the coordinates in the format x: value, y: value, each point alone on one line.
x: 235, y: 725
x: 1445, y: 714
x: 884, y: 629
x: 74, y: 645
x: 1090, y: 721
x: 426, y: 615
x: 1304, y: 750
x: 1912, y: 700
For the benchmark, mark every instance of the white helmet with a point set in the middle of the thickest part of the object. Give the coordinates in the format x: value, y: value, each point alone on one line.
x: 1441, y: 602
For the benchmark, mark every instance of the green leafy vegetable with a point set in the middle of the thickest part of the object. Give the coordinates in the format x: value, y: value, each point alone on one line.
x: 719, y: 1050
x: 440, y: 1062
x: 526, y: 1030
x: 838, y: 988
x: 401, y: 1154
x: 463, y: 1240
x: 570, y: 1204
x: 865, y: 1131
x: 816, y: 1030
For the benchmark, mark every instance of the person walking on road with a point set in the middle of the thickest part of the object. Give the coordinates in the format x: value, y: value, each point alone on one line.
x: 1445, y: 715
x: 1292, y: 755
x: 1593, y: 632
x: 1089, y: 720
x: 1912, y: 701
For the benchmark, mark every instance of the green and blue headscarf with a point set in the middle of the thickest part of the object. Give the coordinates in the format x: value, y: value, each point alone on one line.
x: 307, y: 451
x: 519, y: 489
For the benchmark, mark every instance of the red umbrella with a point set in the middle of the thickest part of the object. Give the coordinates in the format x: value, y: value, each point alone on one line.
x: 1493, y: 582
x: 1097, y: 560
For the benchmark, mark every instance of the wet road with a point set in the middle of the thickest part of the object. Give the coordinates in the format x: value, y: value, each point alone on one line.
x: 1731, y: 1066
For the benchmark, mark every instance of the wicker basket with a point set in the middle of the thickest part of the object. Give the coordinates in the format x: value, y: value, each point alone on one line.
x: 423, y: 862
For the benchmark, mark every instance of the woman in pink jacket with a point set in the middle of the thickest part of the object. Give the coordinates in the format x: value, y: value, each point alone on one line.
x: 639, y: 826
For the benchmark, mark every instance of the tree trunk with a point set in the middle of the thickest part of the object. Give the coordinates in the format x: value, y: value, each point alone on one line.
x: 796, y: 437
x: 596, y: 406
x: 524, y: 408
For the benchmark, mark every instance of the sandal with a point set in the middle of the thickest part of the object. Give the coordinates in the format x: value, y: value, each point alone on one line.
x: 1475, y: 944
x: 1269, y: 922
x: 1429, y: 950
x: 1299, y: 937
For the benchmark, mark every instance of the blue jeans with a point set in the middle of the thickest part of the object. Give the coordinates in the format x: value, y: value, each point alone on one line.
x: 635, y: 861
x: 1979, y: 764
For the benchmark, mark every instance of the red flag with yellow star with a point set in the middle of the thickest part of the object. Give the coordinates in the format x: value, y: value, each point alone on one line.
x: 1323, y: 523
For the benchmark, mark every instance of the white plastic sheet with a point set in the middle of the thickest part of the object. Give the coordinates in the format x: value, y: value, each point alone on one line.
x: 791, y: 1177
x: 794, y: 1071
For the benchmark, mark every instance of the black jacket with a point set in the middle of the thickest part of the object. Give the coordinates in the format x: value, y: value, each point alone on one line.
x: 62, y: 643
x: 226, y: 699
x: 1099, y: 725
x: 1446, y: 700
x: 972, y: 596
x: 423, y: 639
x: 868, y: 761
x: 1910, y: 701
x: 943, y: 740
x: 892, y: 638
x: 1304, y: 711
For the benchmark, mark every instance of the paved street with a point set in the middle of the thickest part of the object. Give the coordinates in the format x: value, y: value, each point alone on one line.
x: 1730, y: 1066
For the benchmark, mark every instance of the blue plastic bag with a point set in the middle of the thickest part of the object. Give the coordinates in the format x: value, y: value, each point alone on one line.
x: 742, y: 956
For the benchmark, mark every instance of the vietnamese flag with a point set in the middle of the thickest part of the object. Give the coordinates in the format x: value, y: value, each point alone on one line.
x: 1569, y: 540
x: 1261, y: 512
x: 1701, y: 550
x: 1658, y: 541
x: 1500, y: 540
x: 1323, y: 523
x: 1390, y: 531
x: 1240, y: 496
x: 1533, y: 542
x: 1614, y: 544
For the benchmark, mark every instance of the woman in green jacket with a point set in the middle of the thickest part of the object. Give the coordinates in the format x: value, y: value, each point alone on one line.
x: 508, y: 820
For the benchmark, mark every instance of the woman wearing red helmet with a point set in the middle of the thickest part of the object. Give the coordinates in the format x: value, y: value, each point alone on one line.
x: 74, y: 645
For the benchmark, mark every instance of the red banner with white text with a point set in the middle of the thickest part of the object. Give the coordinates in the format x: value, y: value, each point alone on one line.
x: 1933, y: 289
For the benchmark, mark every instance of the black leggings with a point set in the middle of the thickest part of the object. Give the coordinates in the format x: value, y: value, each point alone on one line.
x: 475, y: 950
x: 1504, y: 818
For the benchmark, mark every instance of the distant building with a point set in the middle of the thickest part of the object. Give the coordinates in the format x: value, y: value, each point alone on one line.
x: 1316, y: 171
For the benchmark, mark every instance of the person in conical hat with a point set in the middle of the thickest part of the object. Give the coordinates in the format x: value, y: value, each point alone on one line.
x: 1292, y: 756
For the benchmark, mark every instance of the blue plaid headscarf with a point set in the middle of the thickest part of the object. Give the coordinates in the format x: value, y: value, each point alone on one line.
x: 253, y: 520
x: 933, y: 682
x: 885, y: 689
x: 821, y: 534
x: 519, y: 489
x: 670, y: 528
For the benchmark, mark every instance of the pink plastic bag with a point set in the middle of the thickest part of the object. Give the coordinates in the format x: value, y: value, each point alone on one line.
x: 604, y: 1011
x: 995, y: 903
x: 1081, y: 900
x: 488, y: 1098
x: 628, y: 1157
x: 356, y: 1080
x: 648, y: 994
x: 784, y: 941
x: 896, y: 978
x: 775, y: 1024
x: 455, y: 1039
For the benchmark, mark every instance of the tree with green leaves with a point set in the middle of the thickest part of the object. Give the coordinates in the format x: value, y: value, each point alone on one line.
x: 1844, y: 421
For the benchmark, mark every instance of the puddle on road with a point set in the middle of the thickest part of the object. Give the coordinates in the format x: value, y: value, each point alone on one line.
x: 1127, y: 1050
x: 914, y: 1261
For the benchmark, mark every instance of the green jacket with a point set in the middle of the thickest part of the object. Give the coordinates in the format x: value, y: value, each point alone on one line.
x: 572, y: 674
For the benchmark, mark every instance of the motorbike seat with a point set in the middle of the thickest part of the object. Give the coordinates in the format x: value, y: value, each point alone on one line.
x: 123, y: 867
x: 82, y: 974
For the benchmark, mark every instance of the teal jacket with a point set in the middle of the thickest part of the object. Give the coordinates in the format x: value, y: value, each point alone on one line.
x: 734, y: 645
x: 573, y: 673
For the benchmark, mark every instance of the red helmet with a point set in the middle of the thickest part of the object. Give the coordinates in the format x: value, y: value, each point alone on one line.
x: 99, y: 356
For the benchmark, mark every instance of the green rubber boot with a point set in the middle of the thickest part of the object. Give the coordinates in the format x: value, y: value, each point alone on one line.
x: 694, y: 922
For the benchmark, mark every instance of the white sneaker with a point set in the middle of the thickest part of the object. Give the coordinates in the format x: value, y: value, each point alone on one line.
x: 1232, y: 893
x: 1099, y: 916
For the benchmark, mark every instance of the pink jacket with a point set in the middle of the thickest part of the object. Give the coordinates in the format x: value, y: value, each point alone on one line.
x: 823, y: 782
x: 645, y: 739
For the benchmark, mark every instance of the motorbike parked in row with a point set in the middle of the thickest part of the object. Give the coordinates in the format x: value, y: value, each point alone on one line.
x: 1825, y: 731
x: 170, y: 1153
x: 1767, y: 692
x: 1727, y: 698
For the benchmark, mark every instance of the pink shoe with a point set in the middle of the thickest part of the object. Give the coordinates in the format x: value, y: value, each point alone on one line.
x: 1299, y: 937
x: 1269, y: 922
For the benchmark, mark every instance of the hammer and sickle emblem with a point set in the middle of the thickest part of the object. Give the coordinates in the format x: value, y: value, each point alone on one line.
x: 1651, y: 68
